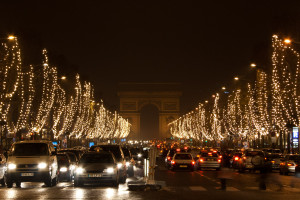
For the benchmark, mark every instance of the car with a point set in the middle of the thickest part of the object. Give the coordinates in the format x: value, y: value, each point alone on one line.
x: 297, y: 170
x: 2, y: 169
x: 182, y: 161
x: 289, y: 163
x: 119, y: 156
x: 66, y: 169
x: 97, y: 167
x: 274, y: 159
x: 208, y: 160
x: 169, y: 157
x: 78, y: 152
x: 252, y: 160
x: 32, y: 161
x: 129, y: 161
x: 234, y: 161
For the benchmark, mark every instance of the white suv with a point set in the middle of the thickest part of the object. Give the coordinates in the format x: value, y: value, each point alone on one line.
x: 32, y: 161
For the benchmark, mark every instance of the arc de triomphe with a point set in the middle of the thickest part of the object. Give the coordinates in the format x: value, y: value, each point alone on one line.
x: 165, y: 96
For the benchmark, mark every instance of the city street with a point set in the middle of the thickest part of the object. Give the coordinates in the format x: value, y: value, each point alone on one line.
x: 176, y: 185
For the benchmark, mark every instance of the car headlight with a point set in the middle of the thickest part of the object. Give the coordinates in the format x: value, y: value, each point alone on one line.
x: 42, y: 165
x: 139, y: 155
x: 109, y: 170
x: 120, y: 165
x: 12, y: 166
x: 63, y: 169
x: 79, y: 170
x: 127, y: 164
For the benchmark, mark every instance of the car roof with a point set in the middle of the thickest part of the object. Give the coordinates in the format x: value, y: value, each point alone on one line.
x: 34, y: 141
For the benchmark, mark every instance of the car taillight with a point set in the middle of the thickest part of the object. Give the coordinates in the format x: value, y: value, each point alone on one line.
x: 177, y: 149
x: 244, y: 158
x: 290, y: 164
x: 220, y: 156
x: 219, y: 160
x: 173, y: 162
x: 201, y: 160
x: 273, y: 162
x: 169, y: 158
x: 193, y: 162
x: 236, y: 158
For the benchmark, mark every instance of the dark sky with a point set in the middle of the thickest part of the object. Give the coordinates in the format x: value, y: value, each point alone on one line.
x: 201, y: 44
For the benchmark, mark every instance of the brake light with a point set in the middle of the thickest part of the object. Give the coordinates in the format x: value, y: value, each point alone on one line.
x: 193, y: 162
x: 173, y: 162
x: 185, y: 148
x: 215, y: 151
x: 169, y: 158
x: 273, y: 162
x: 219, y: 160
x: 236, y: 158
x: 290, y: 164
x: 209, y: 153
x: 244, y: 158
x: 177, y: 149
x: 201, y: 160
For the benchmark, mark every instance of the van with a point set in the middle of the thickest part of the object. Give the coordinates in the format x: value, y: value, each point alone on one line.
x: 32, y: 161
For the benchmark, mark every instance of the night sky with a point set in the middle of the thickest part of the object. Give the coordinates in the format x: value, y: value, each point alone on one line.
x: 202, y: 44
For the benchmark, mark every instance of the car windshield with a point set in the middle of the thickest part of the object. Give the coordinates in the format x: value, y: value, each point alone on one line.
x: 30, y: 149
x: 111, y: 148
x: 62, y: 160
x: 183, y: 156
x: 97, y: 158
x: 72, y: 157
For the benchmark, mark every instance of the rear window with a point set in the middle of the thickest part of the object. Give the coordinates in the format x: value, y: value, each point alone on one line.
x: 30, y: 149
x: 96, y: 158
x: 254, y: 153
x: 209, y: 154
x: 297, y: 158
x: 183, y: 156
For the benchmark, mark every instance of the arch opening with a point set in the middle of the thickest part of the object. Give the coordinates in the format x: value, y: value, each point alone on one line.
x: 149, y: 122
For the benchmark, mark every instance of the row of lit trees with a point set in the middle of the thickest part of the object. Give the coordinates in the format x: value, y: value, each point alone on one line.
x: 32, y: 100
x: 267, y: 105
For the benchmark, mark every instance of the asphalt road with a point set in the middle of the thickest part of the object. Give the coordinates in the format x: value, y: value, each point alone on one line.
x: 176, y: 185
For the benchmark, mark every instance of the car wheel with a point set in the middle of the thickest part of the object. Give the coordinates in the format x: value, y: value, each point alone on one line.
x: 9, y: 183
x: 2, y: 182
x: 54, y: 181
x: 77, y: 183
x: 115, y: 183
x: 18, y: 184
x: 48, y: 182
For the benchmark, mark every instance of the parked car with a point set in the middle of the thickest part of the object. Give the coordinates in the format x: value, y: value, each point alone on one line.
x: 32, y: 161
x: 208, y: 160
x: 2, y: 169
x: 97, y: 167
x: 289, y: 163
x: 182, y: 161
x: 119, y: 156
x: 253, y: 160
x: 66, y: 169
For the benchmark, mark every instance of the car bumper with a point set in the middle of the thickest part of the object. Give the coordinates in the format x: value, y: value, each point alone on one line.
x: 88, y: 179
x: 182, y: 166
x: 28, y: 176
x: 210, y: 165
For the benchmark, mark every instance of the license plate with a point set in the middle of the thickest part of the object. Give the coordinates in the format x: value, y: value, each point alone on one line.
x: 27, y: 174
x: 95, y: 175
x: 182, y: 165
